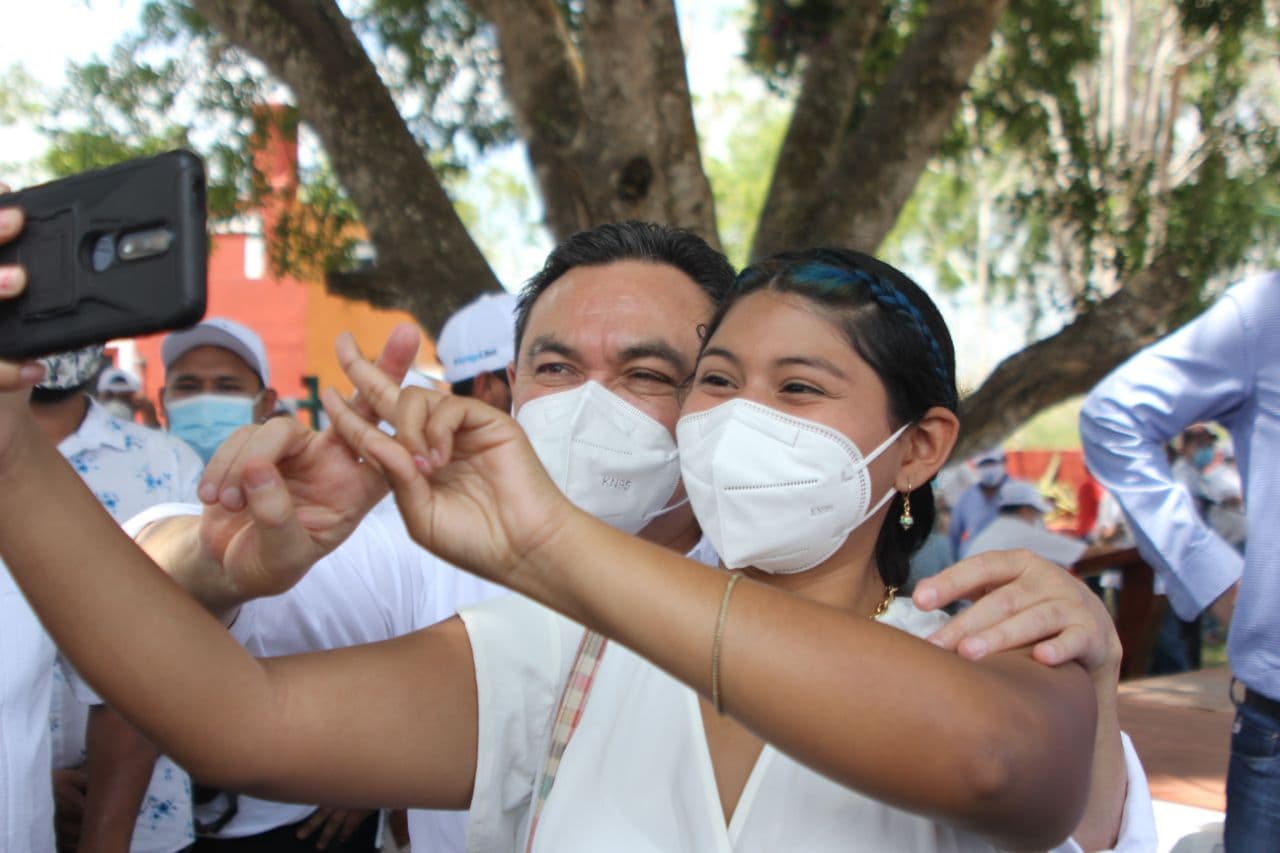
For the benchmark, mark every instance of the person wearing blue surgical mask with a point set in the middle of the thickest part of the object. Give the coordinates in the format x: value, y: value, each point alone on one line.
x: 216, y: 381
x: 978, y: 505
x: 1195, y: 453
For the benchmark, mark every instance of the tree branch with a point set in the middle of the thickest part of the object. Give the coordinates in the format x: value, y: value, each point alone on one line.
x: 643, y: 139
x: 819, y: 123
x: 893, y: 143
x: 421, y: 243
x: 1076, y: 358
x: 543, y: 79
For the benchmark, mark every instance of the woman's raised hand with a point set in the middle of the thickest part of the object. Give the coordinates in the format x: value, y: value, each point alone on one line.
x: 16, y: 377
x: 467, y: 481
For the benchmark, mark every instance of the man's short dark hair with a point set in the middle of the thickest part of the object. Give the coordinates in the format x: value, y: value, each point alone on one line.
x: 629, y: 241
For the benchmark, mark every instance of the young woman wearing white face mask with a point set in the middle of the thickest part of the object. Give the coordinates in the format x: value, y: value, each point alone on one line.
x: 786, y: 706
x: 784, y: 397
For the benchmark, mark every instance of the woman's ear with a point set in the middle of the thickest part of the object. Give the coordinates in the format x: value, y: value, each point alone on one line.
x: 929, y: 443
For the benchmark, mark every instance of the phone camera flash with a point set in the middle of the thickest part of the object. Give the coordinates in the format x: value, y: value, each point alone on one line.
x: 145, y: 244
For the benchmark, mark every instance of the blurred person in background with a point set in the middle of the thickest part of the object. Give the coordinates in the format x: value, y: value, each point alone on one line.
x: 120, y: 393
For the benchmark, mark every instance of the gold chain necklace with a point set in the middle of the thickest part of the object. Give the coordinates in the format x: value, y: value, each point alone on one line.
x: 890, y: 593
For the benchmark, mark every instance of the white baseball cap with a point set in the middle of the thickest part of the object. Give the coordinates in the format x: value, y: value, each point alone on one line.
x: 989, y: 456
x: 478, y: 338
x: 115, y: 379
x: 1022, y: 493
x: 219, y: 332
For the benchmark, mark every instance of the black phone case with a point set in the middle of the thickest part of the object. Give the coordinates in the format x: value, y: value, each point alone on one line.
x: 72, y: 299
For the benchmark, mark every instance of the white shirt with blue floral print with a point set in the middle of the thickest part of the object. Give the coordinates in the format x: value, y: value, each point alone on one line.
x: 129, y: 468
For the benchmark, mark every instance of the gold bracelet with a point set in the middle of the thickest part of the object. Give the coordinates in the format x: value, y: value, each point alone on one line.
x: 715, y: 644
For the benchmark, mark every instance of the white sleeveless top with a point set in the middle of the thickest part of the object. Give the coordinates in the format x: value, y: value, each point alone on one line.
x: 637, y: 775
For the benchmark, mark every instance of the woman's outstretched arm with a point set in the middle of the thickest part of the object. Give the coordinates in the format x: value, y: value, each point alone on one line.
x: 289, y: 728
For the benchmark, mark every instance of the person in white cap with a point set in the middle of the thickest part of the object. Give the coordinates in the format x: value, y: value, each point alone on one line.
x: 977, y: 505
x: 1225, y: 492
x: 476, y: 345
x: 216, y: 381
x: 1019, y: 523
x: 119, y: 393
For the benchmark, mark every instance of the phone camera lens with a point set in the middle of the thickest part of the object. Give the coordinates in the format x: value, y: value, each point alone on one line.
x: 104, y: 253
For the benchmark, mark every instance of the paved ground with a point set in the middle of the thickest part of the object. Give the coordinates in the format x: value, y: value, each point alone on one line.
x: 1181, y: 727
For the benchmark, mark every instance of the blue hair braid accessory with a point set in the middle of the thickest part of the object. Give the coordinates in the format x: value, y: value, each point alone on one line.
x: 885, y: 295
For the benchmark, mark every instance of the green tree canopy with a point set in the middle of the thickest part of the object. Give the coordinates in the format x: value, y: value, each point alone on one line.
x: 1102, y: 159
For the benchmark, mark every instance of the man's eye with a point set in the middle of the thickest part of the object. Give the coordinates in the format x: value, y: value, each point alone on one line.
x: 650, y: 376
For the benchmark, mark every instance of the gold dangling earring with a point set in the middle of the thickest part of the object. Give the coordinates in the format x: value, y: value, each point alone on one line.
x: 905, y: 520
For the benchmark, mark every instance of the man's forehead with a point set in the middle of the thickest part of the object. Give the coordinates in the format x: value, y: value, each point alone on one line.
x: 653, y: 299
x: 621, y: 347
x: 209, y: 361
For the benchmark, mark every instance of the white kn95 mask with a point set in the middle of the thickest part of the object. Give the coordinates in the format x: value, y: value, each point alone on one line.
x: 608, y: 457
x: 773, y: 491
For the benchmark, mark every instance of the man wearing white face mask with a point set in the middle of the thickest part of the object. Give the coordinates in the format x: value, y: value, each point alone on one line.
x: 120, y: 393
x: 216, y: 380
x: 609, y: 457
x: 1020, y: 524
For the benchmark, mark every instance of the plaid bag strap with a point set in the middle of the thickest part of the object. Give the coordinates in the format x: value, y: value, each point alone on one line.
x: 573, y: 701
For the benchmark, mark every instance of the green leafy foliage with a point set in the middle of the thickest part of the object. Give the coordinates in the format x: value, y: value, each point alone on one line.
x: 318, y: 234
x: 18, y: 91
x: 437, y: 59
x: 780, y: 33
x: 740, y: 177
x: 442, y: 64
x: 1099, y: 136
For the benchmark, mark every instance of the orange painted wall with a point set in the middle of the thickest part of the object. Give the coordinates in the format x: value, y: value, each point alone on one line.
x: 328, y: 315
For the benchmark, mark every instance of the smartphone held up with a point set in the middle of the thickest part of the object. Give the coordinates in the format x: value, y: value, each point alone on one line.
x: 110, y: 253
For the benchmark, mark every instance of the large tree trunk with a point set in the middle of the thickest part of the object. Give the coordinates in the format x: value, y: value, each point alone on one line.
x: 609, y: 128
x: 427, y: 263
x: 856, y: 202
x: 542, y: 77
x: 1076, y: 358
x: 820, y: 119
